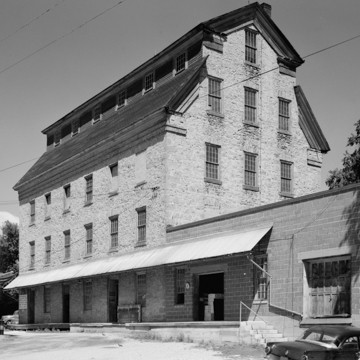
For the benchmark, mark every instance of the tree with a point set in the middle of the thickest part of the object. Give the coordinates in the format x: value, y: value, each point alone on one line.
x: 9, y: 248
x: 350, y: 173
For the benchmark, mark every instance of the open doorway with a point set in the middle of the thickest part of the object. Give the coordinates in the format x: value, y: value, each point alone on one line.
x: 211, y: 297
x: 113, y: 297
x: 66, y: 303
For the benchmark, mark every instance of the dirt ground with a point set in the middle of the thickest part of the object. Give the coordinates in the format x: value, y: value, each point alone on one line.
x: 20, y: 345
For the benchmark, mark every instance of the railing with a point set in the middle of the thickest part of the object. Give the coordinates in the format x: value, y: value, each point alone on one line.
x: 256, y: 314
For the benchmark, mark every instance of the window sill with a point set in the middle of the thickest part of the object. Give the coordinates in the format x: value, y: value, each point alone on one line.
x: 113, y: 193
x: 87, y: 256
x: 253, y: 124
x: 179, y: 305
x: 66, y: 211
x: 253, y: 65
x: 47, y: 218
x: 284, y: 132
x: 88, y: 203
x: 251, y: 188
x: 214, y: 113
x: 113, y: 250
x: 140, y: 244
x: 287, y: 195
x: 213, y: 181
x: 140, y: 183
x: 66, y: 261
x: 32, y: 224
x: 260, y: 302
x: 46, y: 265
x: 31, y: 268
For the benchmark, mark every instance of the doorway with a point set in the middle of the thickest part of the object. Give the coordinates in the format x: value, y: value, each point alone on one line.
x: 31, y: 306
x: 66, y: 303
x: 113, y: 297
x: 211, y: 297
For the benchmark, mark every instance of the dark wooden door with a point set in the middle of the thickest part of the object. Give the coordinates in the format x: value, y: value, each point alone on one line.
x: 113, y: 300
x: 31, y: 306
x: 66, y: 304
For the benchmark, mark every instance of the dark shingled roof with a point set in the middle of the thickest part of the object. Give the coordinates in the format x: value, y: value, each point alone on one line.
x: 309, y: 124
x: 157, y: 99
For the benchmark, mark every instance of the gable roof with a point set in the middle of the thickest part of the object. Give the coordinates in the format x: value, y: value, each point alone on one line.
x: 156, y: 101
x: 309, y: 124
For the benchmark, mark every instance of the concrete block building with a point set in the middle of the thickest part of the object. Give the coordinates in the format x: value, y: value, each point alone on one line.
x: 213, y: 124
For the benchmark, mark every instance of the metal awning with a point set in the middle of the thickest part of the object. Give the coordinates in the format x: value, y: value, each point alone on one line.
x: 171, y: 253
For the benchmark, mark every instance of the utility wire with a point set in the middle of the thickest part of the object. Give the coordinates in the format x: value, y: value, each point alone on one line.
x: 22, y: 163
x: 61, y: 37
x: 31, y: 21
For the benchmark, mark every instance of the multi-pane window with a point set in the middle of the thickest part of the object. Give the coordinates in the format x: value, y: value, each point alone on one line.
x: 180, y: 286
x: 261, y: 278
x: 121, y: 99
x: 141, y: 289
x: 47, y: 205
x: 87, y: 291
x: 47, y: 249
x: 250, y: 46
x: 149, y: 82
x: 89, y: 189
x: 32, y: 211
x: 67, y: 194
x: 180, y: 62
x: 286, y: 177
x: 32, y: 254
x: 97, y: 114
x: 47, y: 299
x: 114, y: 176
x: 284, y: 115
x: 75, y: 127
x: 212, y: 162
x: 114, y: 231
x: 89, y: 239
x: 67, y: 242
x: 250, y: 105
x: 215, y: 101
x: 141, y: 225
x: 250, y: 176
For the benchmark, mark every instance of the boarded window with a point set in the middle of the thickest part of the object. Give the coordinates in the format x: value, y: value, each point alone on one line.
x: 140, y: 167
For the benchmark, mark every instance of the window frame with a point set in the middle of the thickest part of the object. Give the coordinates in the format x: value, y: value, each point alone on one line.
x: 287, y: 178
x: 183, y: 62
x: 141, y: 289
x: 251, y: 52
x: 47, y: 205
x: 284, y: 118
x: 96, y: 114
x: 215, y: 97
x: 67, y: 245
x: 89, y: 230
x: 75, y: 127
x: 89, y: 189
x: 32, y: 255
x: 32, y: 211
x: 67, y: 197
x: 121, y: 95
x: 47, y: 250
x: 250, y: 109
x: 114, y: 232
x: 114, y: 178
x: 141, y: 226
x: 180, y: 286
x: 149, y: 78
x: 251, y: 172
x: 211, y: 164
x: 261, y: 280
x: 47, y: 299
x: 87, y: 294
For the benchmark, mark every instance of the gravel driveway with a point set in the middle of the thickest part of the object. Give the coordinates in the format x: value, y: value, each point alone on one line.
x: 89, y: 346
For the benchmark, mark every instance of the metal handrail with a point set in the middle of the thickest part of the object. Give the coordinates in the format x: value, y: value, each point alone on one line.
x: 256, y: 315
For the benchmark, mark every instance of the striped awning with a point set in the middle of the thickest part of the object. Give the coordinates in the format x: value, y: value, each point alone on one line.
x: 213, y: 246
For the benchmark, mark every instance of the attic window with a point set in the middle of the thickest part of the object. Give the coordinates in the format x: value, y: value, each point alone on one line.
x: 57, y: 138
x: 97, y: 114
x: 121, y: 100
x: 75, y: 127
x: 180, y: 63
x: 149, y: 82
x: 250, y: 46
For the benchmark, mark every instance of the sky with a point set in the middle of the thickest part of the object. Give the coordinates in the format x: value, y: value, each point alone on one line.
x: 56, y: 54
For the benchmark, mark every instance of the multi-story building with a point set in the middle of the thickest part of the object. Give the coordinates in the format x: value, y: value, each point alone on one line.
x: 213, y: 124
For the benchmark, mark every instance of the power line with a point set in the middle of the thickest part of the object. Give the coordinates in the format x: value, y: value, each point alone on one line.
x: 22, y: 163
x: 60, y: 37
x: 31, y: 21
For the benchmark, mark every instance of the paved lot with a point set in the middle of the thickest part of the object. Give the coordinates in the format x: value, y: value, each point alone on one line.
x: 88, y: 346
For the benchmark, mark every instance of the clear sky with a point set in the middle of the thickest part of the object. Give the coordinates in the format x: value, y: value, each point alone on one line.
x: 47, y: 85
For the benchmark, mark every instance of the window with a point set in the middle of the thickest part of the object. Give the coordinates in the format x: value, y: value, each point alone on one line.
x: 75, y: 127
x: 97, y: 113
x: 329, y: 287
x: 67, y: 194
x: 114, y: 177
x: 215, y: 102
x: 250, y: 46
x: 47, y: 299
x: 212, y: 162
x: 114, y: 229
x: 140, y: 168
x: 141, y: 226
x: 57, y: 138
x: 250, y: 176
x: 149, y: 82
x: 32, y: 211
x: 121, y: 99
x: 286, y: 178
x: 67, y: 242
x: 284, y: 116
x: 89, y: 189
x: 180, y: 286
x: 180, y: 63
x: 47, y: 250
x: 261, y: 279
x: 47, y: 206
x: 89, y: 239
x: 141, y: 289
x: 32, y: 254
x: 250, y: 106
x: 87, y: 285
